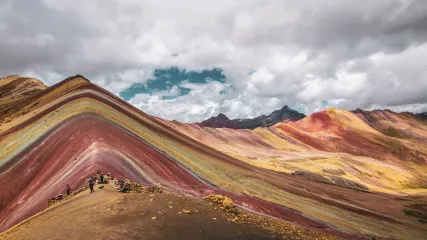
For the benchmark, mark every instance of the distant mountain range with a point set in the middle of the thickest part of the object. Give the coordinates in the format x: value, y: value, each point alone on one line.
x: 222, y: 121
x: 421, y: 116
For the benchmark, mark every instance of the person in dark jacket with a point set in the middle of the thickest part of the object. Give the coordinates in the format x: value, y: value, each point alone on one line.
x: 68, y: 190
x: 91, y: 183
x: 102, y: 178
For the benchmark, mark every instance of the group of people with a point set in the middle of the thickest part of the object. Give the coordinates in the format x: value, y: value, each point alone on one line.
x: 100, y: 178
x: 122, y: 185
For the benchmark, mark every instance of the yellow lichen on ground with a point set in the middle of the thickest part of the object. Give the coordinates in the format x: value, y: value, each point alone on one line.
x: 376, y: 175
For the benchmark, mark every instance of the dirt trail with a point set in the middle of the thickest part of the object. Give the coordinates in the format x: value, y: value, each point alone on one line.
x: 107, y: 214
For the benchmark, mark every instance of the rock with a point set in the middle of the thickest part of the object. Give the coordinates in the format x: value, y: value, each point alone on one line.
x: 331, y: 180
x: 154, y: 218
x: 348, y: 183
x: 216, y: 198
x: 153, y: 189
x: 312, y: 176
x: 225, y: 201
x: 232, y: 210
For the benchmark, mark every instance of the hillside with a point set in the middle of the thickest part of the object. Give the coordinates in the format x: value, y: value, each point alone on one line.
x: 283, y: 114
x: 397, y: 125
x: 16, y: 88
x: 333, y: 143
x: 330, y: 171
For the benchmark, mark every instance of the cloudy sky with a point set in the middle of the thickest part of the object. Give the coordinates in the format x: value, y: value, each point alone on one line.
x: 191, y: 59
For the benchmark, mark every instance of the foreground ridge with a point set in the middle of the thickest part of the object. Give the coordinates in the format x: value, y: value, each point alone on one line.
x: 158, y: 214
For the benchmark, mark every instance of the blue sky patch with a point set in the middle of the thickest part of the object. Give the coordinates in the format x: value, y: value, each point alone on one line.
x: 325, y: 103
x: 165, y: 79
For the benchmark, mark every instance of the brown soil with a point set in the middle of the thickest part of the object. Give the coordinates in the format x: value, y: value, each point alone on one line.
x: 107, y: 214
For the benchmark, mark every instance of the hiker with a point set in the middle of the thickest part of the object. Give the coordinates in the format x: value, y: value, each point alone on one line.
x: 120, y: 184
x: 51, y: 201
x: 68, y: 190
x: 91, y: 183
x: 126, y: 187
x: 102, y: 178
x: 87, y: 182
x: 108, y: 178
x: 59, y: 197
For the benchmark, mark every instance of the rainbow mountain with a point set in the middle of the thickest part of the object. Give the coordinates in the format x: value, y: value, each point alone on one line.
x: 351, y: 174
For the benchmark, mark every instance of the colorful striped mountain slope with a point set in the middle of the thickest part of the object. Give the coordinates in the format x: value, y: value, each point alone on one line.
x: 331, y: 171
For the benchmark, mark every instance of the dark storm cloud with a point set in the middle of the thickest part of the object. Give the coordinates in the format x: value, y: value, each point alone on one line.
x: 35, y: 36
x: 321, y: 25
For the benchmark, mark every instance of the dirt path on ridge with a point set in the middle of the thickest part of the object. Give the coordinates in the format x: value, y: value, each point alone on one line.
x: 107, y: 214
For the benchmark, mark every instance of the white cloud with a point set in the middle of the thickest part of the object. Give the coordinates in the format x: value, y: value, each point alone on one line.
x: 274, y: 52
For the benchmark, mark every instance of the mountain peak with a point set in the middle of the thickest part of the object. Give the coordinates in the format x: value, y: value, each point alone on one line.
x: 222, y: 116
x: 220, y: 121
x: 285, y: 108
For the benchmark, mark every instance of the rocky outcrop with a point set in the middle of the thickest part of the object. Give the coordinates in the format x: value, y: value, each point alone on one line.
x: 330, y: 180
